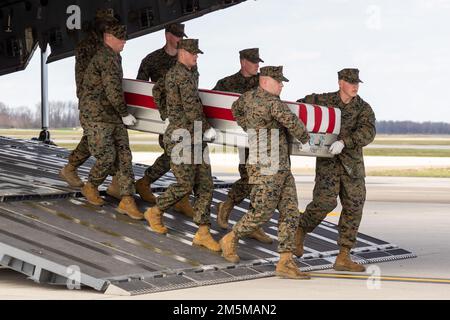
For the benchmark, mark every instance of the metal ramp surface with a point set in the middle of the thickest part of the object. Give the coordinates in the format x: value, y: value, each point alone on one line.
x: 51, y: 234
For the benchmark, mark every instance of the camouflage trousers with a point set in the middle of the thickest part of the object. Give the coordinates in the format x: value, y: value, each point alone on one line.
x: 279, y: 193
x: 109, y: 144
x: 190, y: 177
x: 352, y: 193
x: 80, y: 154
x: 161, y: 165
x: 241, y: 189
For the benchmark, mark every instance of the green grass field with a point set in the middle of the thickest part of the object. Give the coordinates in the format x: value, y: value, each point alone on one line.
x: 423, y: 172
x: 392, y: 152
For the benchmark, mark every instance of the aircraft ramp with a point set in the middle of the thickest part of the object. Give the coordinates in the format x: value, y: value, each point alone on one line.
x: 51, y: 234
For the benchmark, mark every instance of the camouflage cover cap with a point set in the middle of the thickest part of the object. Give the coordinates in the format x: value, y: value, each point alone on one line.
x: 350, y: 75
x: 104, y: 13
x: 251, y: 55
x: 117, y: 30
x: 273, y: 72
x: 190, y: 45
x: 176, y: 29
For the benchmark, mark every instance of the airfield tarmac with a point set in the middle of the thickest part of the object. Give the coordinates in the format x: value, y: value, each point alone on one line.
x: 410, y: 212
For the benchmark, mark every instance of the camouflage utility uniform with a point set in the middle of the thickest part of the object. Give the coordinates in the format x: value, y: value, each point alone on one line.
x: 154, y: 67
x: 84, y: 52
x: 184, y: 107
x: 102, y: 107
x: 343, y: 175
x: 273, y: 186
x: 237, y: 83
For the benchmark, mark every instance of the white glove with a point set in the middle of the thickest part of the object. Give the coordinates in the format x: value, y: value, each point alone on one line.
x: 336, y: 147
x: 129, y: 120
x: 209, y: 134
x: 306, y: 147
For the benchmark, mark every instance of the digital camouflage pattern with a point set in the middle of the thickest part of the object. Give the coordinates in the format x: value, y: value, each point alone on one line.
x: 161, y: 165
x: 190, y: 45
x: 350, y: 75
x: 251, y: 55
x: 343, y: 175
x: 184, y: 107
x: 195, y: 178
x: 117, y: 30
x: 102, y: 107
x: 240, y: 188
x: 153, y: 68
x: 237, y: 83
x: 155, y: 65
x: 183, y: 101
x: 102, y: 98
x: 176, y: 29
x: 262, y: 111
x: 84, y: 52
x: 273, y: 72
x: 109, y: 144
x: 277, y: 193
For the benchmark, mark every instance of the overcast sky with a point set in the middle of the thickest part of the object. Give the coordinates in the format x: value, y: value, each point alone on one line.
x: 401, y: 47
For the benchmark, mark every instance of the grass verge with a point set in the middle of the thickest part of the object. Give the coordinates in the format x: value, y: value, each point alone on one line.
x: 422, y: 172
x: 388, y: 152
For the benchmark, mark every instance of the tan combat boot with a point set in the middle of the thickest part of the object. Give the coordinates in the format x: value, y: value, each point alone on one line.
x: 128, y: 206
x: 299, y: 240
x: 203, y: 238
x: 114, y: 189
x: 184, y: 206
x: 345, y: 263
x: 143, y: 188
x: 286, y: 268
x: 228, y: 245
x: 154, y: 216
x: 91, y: 194
x: 223, y: 213
x: 261, y: 236
x: 70, y: 175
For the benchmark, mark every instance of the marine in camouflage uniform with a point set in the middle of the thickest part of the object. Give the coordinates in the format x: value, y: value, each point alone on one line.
x: 84, y: 52
x: 102, y: 112
x: 153, y: 68
x: 245, y: 79
x: 343, y: 175
x: 184, y: 108
x: 273, y: 185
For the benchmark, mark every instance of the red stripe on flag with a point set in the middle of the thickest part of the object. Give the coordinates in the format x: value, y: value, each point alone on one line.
x: 331, y: 119
x: 317, y: 118
x: 303, y: 114
x: 218, y: 113
x: 140, y: 100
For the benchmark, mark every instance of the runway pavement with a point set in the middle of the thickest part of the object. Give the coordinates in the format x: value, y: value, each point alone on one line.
x: 410, y: 212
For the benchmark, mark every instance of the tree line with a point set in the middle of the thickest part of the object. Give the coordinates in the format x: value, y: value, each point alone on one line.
x: 411, y: 127
x: 64, y: 114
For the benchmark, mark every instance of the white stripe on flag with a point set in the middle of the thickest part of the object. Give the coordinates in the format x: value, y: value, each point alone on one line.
x: 337, y: 126
x: 325, y: 119
x: 311, y: 118
x: 217, y: 100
